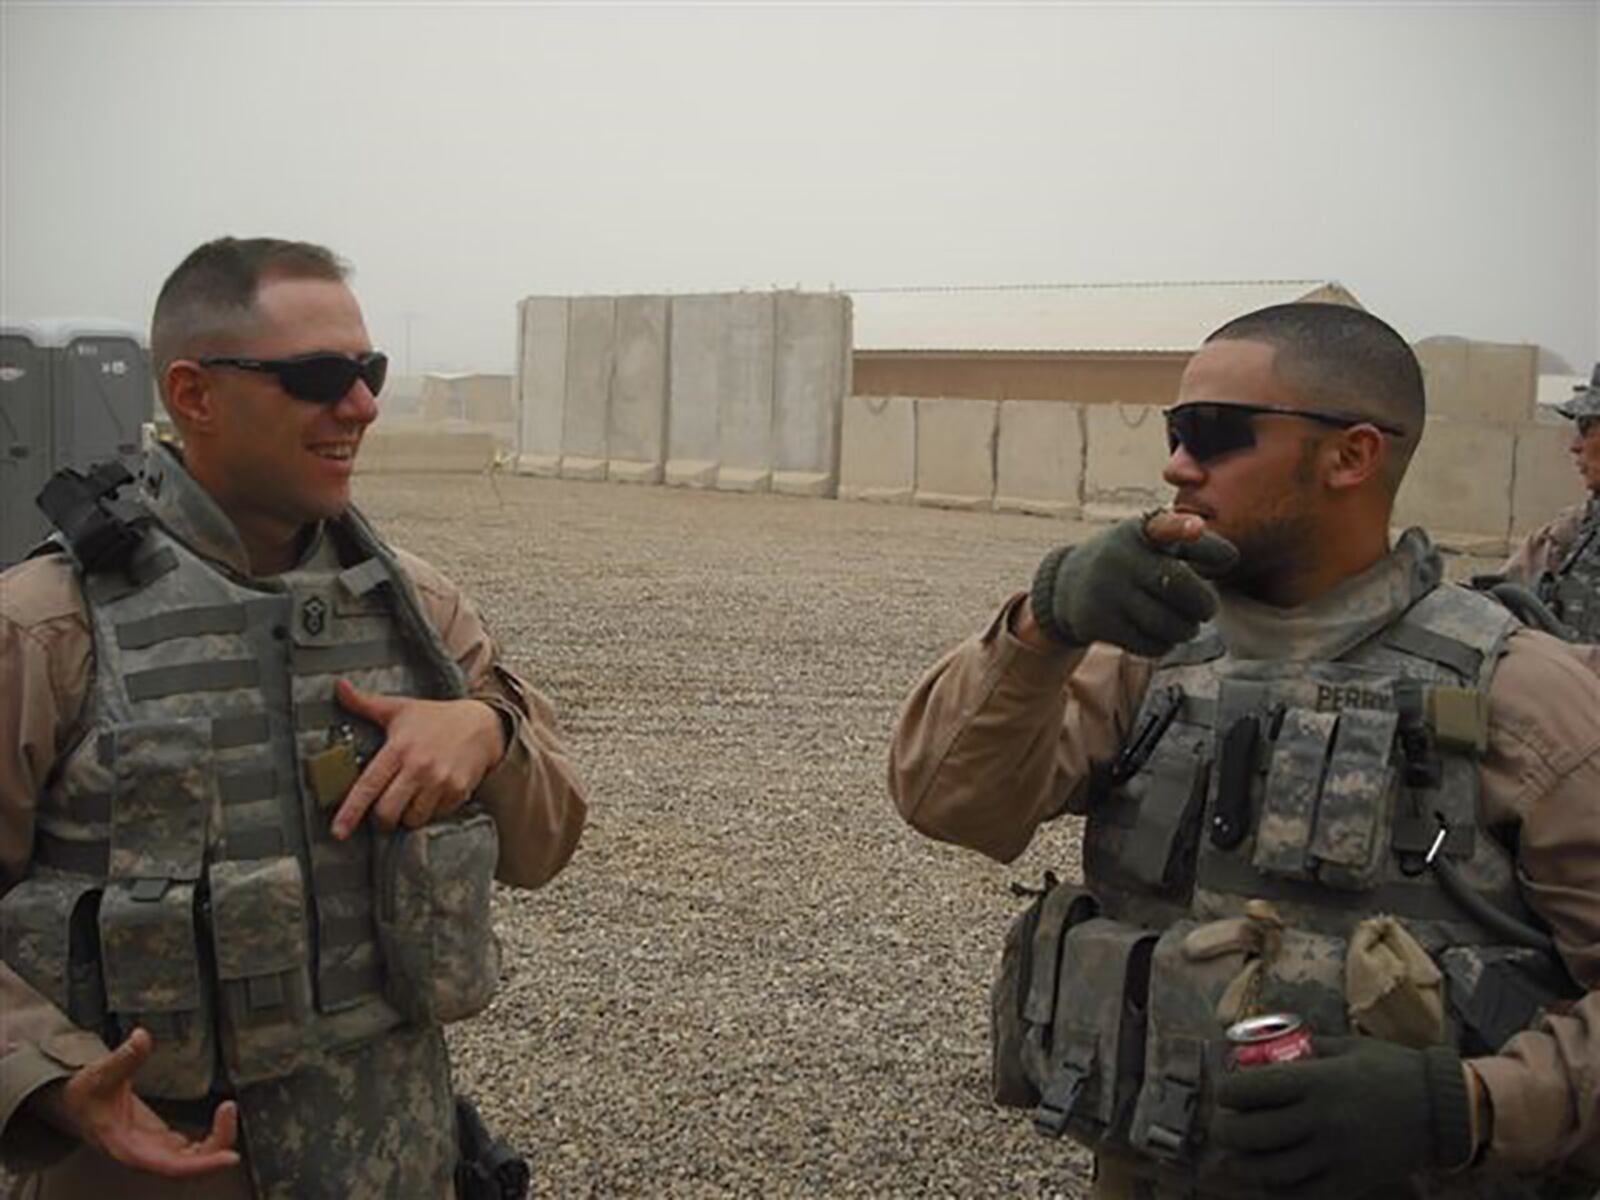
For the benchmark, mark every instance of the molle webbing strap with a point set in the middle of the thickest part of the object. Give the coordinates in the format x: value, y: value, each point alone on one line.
x: 81, y: 858
x: 348, y: 656
x: 1231, y: 875
x: 224, y: 676
x: 318, y: 715
x: 246, y: 786
x: 229, y: 733
x: 181, y: 622
x: 1466, y: 661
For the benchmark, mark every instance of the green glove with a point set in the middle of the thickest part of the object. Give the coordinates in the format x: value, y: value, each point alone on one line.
x: 1120, y: 587
x: 1362, y: 1114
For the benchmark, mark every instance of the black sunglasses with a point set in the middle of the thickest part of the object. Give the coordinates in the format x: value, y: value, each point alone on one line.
x: 1209, y: 431
x: 323, y: 375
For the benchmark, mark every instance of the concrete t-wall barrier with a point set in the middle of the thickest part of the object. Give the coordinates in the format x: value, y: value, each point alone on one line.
x: 748, y: 330
x: 541, y: 384
x: 425, y: 451
x: 1125, y: 453
x: 811, y: 377
x: 1458, y: 486
x: 591, y: 340
x: 878, y: 448
x: 694, y: 417
x: 956, y: 452
x: 636, y: 437
x: 1488, y: 382
x: 1039, y: 464
x: 1543, y: 481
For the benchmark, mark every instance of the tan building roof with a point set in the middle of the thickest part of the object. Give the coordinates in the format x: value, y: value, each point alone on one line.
x: 1067, y: 318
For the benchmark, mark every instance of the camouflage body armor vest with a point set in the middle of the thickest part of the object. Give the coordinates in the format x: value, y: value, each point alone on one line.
x: 184, y: 876
x: 1317, y: 787
x: 1572, y: 589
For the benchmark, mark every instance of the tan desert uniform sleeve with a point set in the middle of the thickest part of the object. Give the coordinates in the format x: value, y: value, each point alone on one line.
x: 534, y: 795
x: 1543, y: 548
x: 1541, y: 776
x: 998, y: 737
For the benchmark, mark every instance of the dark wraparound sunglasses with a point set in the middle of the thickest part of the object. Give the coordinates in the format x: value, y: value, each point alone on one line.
x: 1209, y: 431
x: 323, y: 375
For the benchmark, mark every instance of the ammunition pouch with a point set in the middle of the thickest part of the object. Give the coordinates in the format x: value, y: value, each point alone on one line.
x: 434, y: 925
x: 1067, y: 1017
x: 1496, y: 992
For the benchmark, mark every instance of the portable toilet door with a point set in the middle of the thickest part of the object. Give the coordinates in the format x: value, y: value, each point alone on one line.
x: 25, y: 450
x: 102, y: 394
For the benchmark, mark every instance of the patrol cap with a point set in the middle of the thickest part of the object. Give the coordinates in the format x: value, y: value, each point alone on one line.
x: 1585, y: 401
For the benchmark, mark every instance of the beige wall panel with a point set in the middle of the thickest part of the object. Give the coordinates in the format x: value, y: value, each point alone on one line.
x: 878, y: 448
x: 1125, y: 451
x: 431, y: 451
x: 1545, y: 481
x: 956, y: 452
x: 1488, y: 382
x: 1039, y: 465
x: 1458, y: 487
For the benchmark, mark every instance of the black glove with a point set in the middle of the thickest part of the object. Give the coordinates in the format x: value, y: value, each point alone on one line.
x: 1120, y: 587
x: 1363, y: 1114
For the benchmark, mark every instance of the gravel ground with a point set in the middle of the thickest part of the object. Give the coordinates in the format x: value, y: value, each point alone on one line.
x: 752, y: 979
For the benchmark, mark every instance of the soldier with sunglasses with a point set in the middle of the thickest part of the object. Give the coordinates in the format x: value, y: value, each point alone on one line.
x: 1316, y: 780
x: 1561, y: 561
x: 258, y: 771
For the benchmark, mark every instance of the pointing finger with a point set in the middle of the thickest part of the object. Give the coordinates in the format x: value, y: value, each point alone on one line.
x: 369, y: 785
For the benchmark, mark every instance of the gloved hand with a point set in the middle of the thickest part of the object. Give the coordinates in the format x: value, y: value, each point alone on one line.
x: 1122, y: 587
x: 1362, y: 1114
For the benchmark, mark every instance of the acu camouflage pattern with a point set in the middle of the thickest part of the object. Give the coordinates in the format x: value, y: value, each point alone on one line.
x: 185, y: 878
x: 1335, y: 833
x: 1572, y: 588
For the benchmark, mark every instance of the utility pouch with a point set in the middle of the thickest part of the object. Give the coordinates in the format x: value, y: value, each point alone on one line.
x: 49, y: 935
x: 434, y: 926
x: 150, y: 953
x: 1496, y: 992
x: 258, y: 917
x: 1358, y: 796
x: 1294, y: 782
x: 1146, y: 833
x: 151, y: 959
x: 1182, y: 1040
x: 1093, y: 1055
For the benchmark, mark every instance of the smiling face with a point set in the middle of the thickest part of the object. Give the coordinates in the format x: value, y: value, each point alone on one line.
x: 275, y: 462
x: 1264, y: 498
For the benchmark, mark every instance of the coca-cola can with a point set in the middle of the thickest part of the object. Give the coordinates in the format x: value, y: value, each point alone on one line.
x: 1273, y: 1038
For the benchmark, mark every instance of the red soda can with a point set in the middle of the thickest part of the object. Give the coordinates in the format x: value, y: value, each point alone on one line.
x: 1273, y: 1038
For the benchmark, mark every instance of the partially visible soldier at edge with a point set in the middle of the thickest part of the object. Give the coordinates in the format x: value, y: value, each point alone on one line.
x: 1561, y: 561
x: 1327, y: 783
x: 256, y: 776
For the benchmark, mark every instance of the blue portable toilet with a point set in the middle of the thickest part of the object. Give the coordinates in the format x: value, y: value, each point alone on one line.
x: 73, y: 392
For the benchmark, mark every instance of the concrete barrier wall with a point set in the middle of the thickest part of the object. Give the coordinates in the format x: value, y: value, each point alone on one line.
x: 747, y: 341
x: 1544, y: 480
x: 811, y: 377
x: 1039, y: 462
x: 956, y: 452
x: 585, y: 417
x: 636, y: 433
x: 1488, y: 382
x: 1126, y: 449
x: 694, y: 418
x: 878, y: 448
x: 1458, y: 486
x: 541, y: 384
x: 738, y: 390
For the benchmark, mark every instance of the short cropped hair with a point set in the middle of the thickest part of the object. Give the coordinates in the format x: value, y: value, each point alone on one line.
x: 210, y: 298
x: 1343, y: 360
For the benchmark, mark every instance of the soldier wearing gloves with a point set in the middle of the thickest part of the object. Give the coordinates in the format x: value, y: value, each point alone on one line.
x: 1561, y: 561
x: 1317, y: 780
x: 257, y: 772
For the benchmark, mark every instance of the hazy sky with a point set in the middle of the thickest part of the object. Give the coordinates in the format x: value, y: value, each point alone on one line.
x: 1440, y: 160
